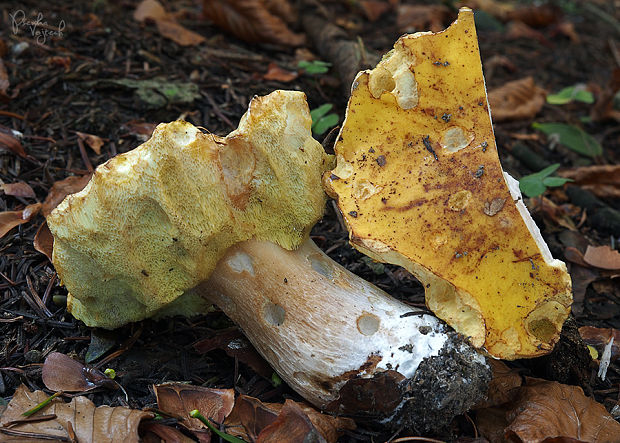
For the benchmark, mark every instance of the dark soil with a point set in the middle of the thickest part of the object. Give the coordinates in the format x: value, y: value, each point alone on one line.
x: 63, y: 85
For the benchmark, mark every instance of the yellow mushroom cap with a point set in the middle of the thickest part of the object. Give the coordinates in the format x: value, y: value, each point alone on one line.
x: 419, y: 183
x: 152, y: 223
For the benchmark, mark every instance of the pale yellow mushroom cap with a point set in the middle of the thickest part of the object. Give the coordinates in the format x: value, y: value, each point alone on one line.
x: 419, y: 184
x: 153, y: 222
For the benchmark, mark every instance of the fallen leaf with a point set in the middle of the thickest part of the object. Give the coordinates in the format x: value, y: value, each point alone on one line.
x: 61, y: 189
x: 163, y: 433
x: 94, y: 141
x: 516, y: 100
x: 180, y: 399
x: 141, y: 130
x: 62, y: 373
x: 537, y: 16
x: 236, y: 346
x: 601, y: 180
x: 178, y: 33
x: 602, y: 257
x: 547, y: 408
x: 292, y: 425
x: 503, y: 387
x: 274, y: 72
x: 149, y: 9
x: 7, y: 141
x: 581, y: 278
x: 413, y: 18
x: 255, y: 21
x: 599, y: 337
x: 374, y: 9
x: 250, y: 417
x: 19, y: 189
x: 103, y: 424
x: 166, y: 23
x: 566, y: 29
x: 517, y: 29
x: 44, y: 241
x: 543, y: 409
x: 11, y: 219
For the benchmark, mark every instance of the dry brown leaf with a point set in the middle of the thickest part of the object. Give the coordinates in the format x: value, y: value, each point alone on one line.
x: 601, y: 180
x: 178, y: 33
x: 44, y: 241
x: 535, y: 16
x: 274, y: 72
x: 602, y: 257
x: 167, y: 24
x: 517, y: 29
x: 374, y: 9
x: 551, y: 409
x: 163, y: 433
x: 11, y: 219
x: 516, y: 100
x: 252, y: 21
x: 91, y: 424
x: 19, y: 189
x: 7, y: 141
x: 599, y: 337
x: 292, y: 425
x: 250, y: 417
x: 94, y: 141
x: 566, y: 29
x: 149, y: 9
x: 61, y: 189
x: 413, y: 18
x: 141, y: 130
x: 62, y: 373
x: 546, y: 409
x: 180, y: 399
x: 503, y: 387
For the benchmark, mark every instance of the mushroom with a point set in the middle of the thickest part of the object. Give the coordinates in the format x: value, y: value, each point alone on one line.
x: 419, y: 183
x: 189, y: 219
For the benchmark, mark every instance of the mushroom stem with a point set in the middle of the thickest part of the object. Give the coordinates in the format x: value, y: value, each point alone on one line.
x: 333, y: 336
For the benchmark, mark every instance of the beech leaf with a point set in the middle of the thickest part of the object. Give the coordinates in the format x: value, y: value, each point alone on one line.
x: 44, y: 241
x: 19, y: 189
x: 602, y: 180
x: 7, y: 141
x: 546, y: 408
x: 516, y: 100
x: 602, y: 257
x: 11, y: 219
x: 103, y: 424
x: 180, y: 399
x: 61, y: 189
x: 62, y: 373
x: 166, y: 23
x: 94, y: 141
x: 255, y: 21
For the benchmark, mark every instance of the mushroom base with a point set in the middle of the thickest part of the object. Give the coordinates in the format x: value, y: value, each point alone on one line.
x: 343, y: 344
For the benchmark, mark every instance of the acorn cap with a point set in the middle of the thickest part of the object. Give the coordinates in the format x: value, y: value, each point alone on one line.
x: 419, y: 183
x: 152, y: 223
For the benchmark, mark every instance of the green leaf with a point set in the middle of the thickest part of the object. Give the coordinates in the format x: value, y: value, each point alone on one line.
x: 552, y: 182
x: 376, y: 267
x: 318, y: 113
x: 325, y: 123
x: 535, y: 184
x: 314, y: 67
x: 567, y: 95
x: 572, y: 137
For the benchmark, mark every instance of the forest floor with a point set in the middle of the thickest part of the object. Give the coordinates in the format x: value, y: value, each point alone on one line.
x: 90, y: 78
